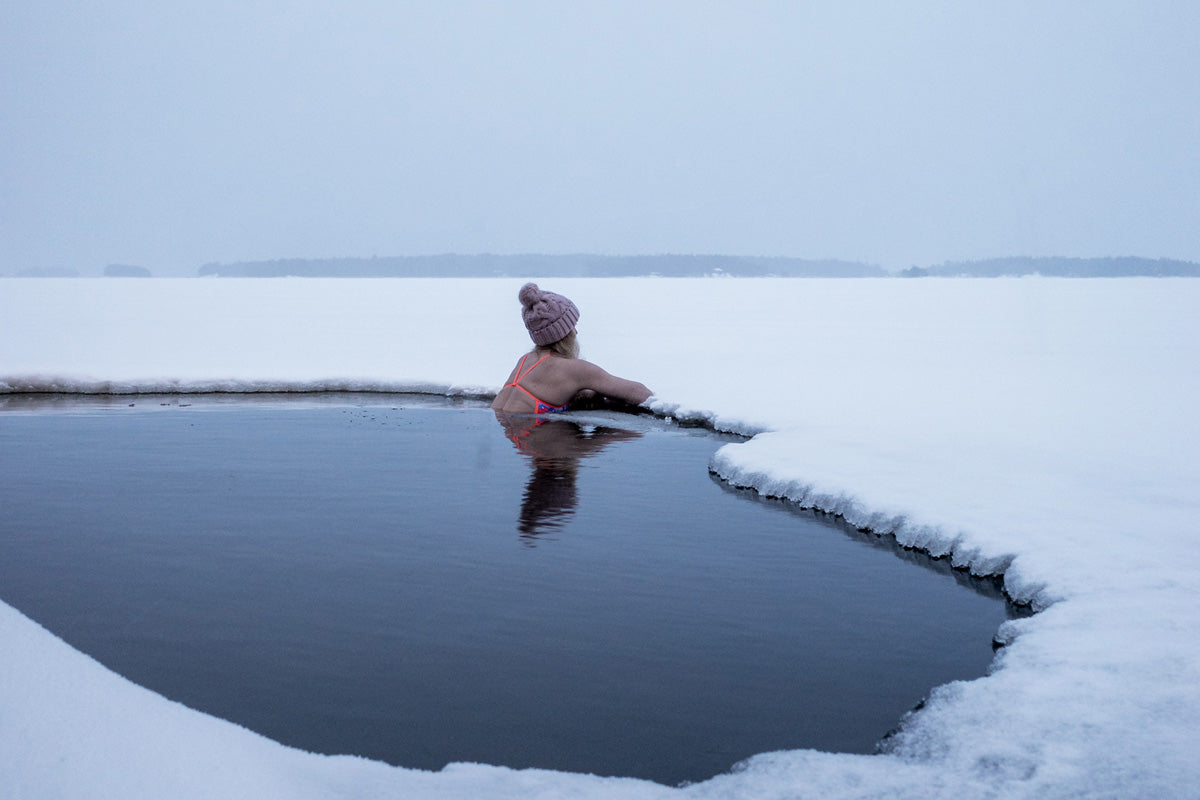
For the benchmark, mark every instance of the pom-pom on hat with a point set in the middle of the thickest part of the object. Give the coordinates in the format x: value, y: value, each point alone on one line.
x: 548, y: 316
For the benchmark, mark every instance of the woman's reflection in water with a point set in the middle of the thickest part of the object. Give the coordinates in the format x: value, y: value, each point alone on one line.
x: 554, y: 447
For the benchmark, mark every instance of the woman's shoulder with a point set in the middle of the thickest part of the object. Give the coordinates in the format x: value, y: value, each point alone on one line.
x: 578, y: 367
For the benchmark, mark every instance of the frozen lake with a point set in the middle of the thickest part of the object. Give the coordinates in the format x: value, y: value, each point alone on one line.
x: 419, y: 582
x: 1043, y: 429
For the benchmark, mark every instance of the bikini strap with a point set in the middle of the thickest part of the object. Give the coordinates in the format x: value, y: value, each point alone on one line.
x: 517, y: 374
x: 520, y: 374
x: 539, y: 406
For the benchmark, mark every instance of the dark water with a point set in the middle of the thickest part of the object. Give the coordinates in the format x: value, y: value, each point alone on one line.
x: 414, y: 582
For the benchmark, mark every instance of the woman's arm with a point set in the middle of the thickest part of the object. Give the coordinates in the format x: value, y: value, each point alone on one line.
x: 589, y: 376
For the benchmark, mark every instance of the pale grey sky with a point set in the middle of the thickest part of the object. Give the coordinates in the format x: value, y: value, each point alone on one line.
x: 171, y: 134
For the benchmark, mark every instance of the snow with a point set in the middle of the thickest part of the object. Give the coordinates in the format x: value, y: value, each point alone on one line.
x: 1042, y: 428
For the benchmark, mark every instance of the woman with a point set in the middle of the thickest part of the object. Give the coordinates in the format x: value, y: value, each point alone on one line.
x: 552, y: 376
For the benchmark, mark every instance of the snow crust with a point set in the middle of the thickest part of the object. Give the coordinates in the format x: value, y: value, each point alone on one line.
x: 1045, y: 429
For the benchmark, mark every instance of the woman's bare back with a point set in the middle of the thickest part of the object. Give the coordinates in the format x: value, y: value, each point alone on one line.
x: 555, y: 381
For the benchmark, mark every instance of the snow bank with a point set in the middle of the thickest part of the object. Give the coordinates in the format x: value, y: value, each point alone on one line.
x: 1044, y: 429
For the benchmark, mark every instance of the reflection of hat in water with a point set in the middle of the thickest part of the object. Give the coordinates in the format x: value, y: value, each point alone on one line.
x: 548, y: 316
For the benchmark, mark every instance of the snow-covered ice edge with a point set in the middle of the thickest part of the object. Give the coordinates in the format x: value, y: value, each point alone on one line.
x: 730, y: 465
x: 1040, y: 428
x: 62, y: 384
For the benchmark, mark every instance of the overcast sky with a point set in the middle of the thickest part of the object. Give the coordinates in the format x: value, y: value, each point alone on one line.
x: 172, y: 134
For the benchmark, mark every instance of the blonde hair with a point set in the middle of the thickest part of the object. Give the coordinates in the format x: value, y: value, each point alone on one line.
x: 567, y: 346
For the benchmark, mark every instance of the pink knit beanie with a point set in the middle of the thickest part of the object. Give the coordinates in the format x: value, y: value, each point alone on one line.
x: 548, y: 316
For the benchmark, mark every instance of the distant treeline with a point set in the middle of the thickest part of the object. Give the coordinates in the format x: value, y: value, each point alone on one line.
x: 1060, y: 267
x: 545, y: 266
x: 110, y: 271
x: 667, y: 266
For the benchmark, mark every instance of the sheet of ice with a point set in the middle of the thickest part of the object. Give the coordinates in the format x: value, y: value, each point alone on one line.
x: 1044, y: 428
